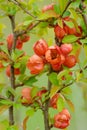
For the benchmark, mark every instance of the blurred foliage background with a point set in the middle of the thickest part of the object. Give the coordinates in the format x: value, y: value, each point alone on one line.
x: 78, y: 96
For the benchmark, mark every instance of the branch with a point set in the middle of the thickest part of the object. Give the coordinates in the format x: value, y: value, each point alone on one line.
x: 24, y: 9
x: 27, y: 29
x: 65, y: 86
x: 46, y: 107
x: 12, y: 77
x: 68, y: 4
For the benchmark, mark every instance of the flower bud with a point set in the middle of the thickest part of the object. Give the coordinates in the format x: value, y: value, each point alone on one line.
x: 66, y: 48
x: 59, y: 32
x: 35, y: 64
x: 40, y: 47
x: 70, y: 61
x: 26, y: 95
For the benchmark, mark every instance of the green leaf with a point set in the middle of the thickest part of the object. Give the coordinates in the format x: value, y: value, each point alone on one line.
x: 53, y: 91
x: 13, y: 127
x: 84, y: 41
x: 3, y: 108
x: 82, y: 57
x: 16, y: 54
x: 67, y: 13
x: 53, y: 78
x: 74, y: 13
x: 69, y: 39
x: 30, y: 112
x: 60, y: 103
x: 5, y: 102
x: 57, y: 9
x: 34, y: 92
x: 4, y: 124
x: 30, y: 81
x: 70, y: 104
x: 27, y: 22
x: 62, y: 4
x: 60, y: 23
x: 69, y: 24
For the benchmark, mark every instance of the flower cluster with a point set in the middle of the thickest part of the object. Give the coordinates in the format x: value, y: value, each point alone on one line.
x: 19, y: 43
x: 54, y: 55
x: 62, y: 119
x: 60, y: 32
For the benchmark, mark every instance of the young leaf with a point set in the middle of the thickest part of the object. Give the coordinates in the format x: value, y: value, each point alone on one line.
x: 30, y: 112
x: 30, y: 80
x: 53, y: 91
x: 69, y: 39
x: 62, y: 4
x: 60, y: 103
x: 3, y: 108
x: 57, y: 9
x: 71, y: 105
x: 53, y: 78
x: 34, y: 91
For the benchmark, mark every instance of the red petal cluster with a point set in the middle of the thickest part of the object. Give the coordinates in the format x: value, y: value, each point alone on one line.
x: 26, y: 95
x: 54, y: 55
x: 62, y: 119
x: 53, y: 101
x: 60, y: 32
x: 19, y: 42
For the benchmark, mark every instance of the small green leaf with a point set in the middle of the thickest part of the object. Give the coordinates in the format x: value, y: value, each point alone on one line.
x: 57, y: 9
x: 60, y: 103
x: 27, y: 22
x: 60, y: 23
x: 53, y: 91
x: 53, y: 78
x: 34, y: 92
x: 3, y: 108
x: 69, y: 39
x: 62, y: 4
x: 73, y: 13
x: 30, y: 81
x: 30, y: 112
x: 71, y: 105
x: 13, y: 127
x: 5, y: 102
x: 69, y: 24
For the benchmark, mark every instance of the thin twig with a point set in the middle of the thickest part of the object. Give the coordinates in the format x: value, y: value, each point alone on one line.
x: 65, y: 86
x: 68, y: 4
x: 24, y: 9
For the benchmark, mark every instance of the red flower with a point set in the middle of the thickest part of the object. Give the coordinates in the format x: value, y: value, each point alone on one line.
x: 59, y: 32
x: 48, y: 7
x: 1, y: 65
x: 26, y: 95
x: 19, y: 43
x: 66, y: 48
x: 35, y: 64
x: 9, y: 41
x: 41, y: 92
x: 53, y: 100
x: 70, y: 31
x: 40, y: 47
x: 25, y: 38
x: 54, y: 57
x: 62, y: 120
x: 70, y: 61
